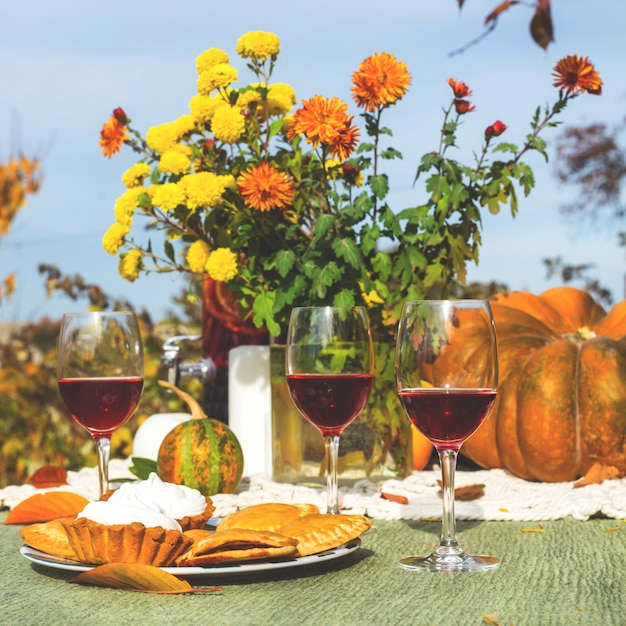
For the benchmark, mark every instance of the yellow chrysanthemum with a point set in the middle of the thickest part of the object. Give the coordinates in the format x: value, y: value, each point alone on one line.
x: 183, y: 125
x: 130, y: 265
x: 220, y: 75
x: 126, y: 204
x: 114, y: 238
x: 258, y: 45
x: 221, y: 265
x: 198, y: 255
x: 161, y: 138
x: 203, y: 107
x: 168, y: 196
x: 174, y: 162
x: 280, y: 98
x: 204, y: 189
x: 209, y: 58
x: 228, y: 124
x: 248, y: 98
x: 135, y: 174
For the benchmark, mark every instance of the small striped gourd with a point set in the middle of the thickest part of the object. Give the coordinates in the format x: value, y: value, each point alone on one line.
x: 201, y: 453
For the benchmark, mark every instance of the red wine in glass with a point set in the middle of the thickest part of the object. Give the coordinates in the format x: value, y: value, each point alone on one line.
x: 330, y: 402
x: 100, y: 374
x: 446, y: 371
x: 101, y: 405
x: 447, y: 417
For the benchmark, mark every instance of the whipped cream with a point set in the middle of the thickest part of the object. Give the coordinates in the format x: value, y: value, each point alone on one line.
x: 131, y: 509
x: 176, y: 501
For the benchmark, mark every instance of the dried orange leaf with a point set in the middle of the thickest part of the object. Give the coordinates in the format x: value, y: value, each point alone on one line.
x: 392, y: 497
x: 598, y: 473
x: 501, y: 8
x: 48, y: 477
x: 468, y: 492
x: 613, y: 528
x: 44, y: 507
x: 490, y: 620
x: 134, y: 577
x: 541, y: 29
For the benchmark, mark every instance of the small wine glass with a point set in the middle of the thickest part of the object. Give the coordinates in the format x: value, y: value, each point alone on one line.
x: 329, y: 365
x: 100, y: 375
x: 446, y: 373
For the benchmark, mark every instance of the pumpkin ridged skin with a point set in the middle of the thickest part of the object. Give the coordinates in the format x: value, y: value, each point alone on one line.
x: 203, y: 454
x: 561, y: 402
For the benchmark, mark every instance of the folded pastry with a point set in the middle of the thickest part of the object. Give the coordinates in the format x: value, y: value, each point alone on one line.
x: 268, y: 516
x: 323, y: 531
x: 49, y: 537
x: 235, y: 544
x: 96, y: 543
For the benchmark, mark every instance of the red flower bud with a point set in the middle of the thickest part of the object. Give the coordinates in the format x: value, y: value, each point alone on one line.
x: 120, y: 115
x: 496, y: 129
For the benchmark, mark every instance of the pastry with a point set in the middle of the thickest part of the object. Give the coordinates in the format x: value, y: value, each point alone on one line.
x: 96, y: 543
x: 233, y: 545
x: 49, y: 537
x: 323, y: 531
x: 268, y: 516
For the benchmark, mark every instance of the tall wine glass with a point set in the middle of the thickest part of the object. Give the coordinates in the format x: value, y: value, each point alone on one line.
x: 329, y: 364
x: 100, y: 375
x: 446, y: 372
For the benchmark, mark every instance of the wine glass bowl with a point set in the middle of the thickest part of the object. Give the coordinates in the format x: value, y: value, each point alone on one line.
x: 446, y: 371
x: 100, y: 375
x: 329, y: 365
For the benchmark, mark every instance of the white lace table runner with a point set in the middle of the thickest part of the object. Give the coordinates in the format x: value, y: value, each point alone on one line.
x: 506, y: 497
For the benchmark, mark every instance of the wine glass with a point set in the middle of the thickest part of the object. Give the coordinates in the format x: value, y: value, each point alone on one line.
x: 100, y: 375
x: 329, y: 365
x: 446, y: 371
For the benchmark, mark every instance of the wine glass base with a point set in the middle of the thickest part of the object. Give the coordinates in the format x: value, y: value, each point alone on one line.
x: 450, y: 563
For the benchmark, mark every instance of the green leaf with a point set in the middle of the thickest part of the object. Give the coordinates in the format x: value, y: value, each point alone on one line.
x: 379, y: 185
x: 348, y: 250
x: 142, y: 468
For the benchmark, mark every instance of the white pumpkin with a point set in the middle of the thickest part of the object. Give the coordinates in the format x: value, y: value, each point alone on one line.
x: 152, y: 431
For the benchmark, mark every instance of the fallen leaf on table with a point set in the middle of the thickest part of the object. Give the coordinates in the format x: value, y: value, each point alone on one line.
x: 468, y: 492
x: 598, y: 473
x: 45, y: 507
x: 48, y: 476
x: 392, y: 497
x: 134, y: 577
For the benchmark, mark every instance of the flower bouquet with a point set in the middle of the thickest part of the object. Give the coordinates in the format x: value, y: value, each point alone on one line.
x: 288, y: 206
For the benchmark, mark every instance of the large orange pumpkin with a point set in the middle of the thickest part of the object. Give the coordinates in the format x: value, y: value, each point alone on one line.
x: 561, y: 402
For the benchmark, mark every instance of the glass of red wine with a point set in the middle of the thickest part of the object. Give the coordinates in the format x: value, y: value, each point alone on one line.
x: 446, y: 371
x: 329, y: 363
x: 100, y: 375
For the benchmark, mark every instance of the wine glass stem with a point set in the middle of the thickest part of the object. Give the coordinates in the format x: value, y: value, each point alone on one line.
x: 331, y: 444
x: 104, y: 450
x: 448, y: 543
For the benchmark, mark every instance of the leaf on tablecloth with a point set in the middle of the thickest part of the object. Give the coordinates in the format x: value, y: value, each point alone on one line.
x: 392, y: 497
x: 48, y: 476
x: 135, y: 577
x: 45, y: 507
x: 468, y: 492
x: 598, y: 473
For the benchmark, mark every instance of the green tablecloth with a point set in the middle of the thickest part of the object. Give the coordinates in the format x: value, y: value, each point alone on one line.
x: 571, y: 573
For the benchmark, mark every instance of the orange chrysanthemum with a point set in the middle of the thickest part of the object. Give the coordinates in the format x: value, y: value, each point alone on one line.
x: 461, y: 90
x: 112, y: 136
x: 576, y: 74
x: 380, y: 81
x: 463, y: 106
x: 263, y: 187
x: 326, y: 121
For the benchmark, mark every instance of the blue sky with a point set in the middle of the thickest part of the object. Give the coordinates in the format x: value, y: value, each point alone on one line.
x: 66, y: 67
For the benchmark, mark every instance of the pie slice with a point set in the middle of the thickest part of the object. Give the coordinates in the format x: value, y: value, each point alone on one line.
x: 324, y: 531
x: 49, y: 537
x: 267, y: 516
x: 233, y: 545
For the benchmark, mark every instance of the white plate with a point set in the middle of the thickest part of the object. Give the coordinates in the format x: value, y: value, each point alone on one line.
x: 48, y: 560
